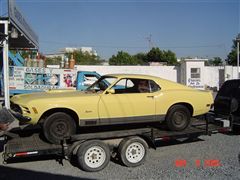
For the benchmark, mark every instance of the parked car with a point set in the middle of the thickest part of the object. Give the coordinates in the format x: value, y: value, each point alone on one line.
x: 227, y: 100
x: 113, y: 99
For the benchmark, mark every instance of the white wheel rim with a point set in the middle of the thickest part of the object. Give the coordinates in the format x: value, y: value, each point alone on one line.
x: 135, y: 152
x: 95, y: 157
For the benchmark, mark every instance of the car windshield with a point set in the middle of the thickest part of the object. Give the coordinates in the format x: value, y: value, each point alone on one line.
x: 101, y: 84
x: 230, y: 89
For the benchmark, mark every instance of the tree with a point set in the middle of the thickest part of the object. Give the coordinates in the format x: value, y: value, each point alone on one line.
x: 53, y: 61
x: 156, y: 55
x: 216, y: 61
x: 123, y: 58
x: 84, y: 58
x: 170, y: 57
x: 141, y: 58
x: 232, y: 56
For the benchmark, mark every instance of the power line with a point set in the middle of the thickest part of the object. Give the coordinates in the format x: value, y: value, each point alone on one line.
x: 123, y: 46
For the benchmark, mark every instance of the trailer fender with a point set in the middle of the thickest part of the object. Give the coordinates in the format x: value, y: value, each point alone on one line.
x: 149, y: 141
x: 72, y: 150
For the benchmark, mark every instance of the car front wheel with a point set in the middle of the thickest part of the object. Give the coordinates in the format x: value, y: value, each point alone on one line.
x: 58, y: 126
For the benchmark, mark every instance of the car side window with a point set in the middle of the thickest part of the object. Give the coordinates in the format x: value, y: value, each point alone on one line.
x: 228, y: 89
x: 89, y: 79
x: 133, y: 85
x: 123, y: 86
x: 154, y: 86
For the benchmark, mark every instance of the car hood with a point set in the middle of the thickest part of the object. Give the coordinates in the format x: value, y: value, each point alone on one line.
x: 52, y: 94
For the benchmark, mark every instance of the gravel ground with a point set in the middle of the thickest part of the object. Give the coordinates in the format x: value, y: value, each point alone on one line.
x: 222, y: 149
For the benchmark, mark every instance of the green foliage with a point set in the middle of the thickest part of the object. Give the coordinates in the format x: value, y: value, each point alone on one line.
x: 157, y: 55
x: 216, y: 61
x: 84, y: 58
x: 53, y: 61
x: 123, y: 58
x: 154, y: 55
x: 141, y: 58
x: 170, y: 57
x: 232, y: 56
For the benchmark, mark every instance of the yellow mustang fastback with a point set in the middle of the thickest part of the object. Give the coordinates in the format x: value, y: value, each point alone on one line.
x: 113, y: 99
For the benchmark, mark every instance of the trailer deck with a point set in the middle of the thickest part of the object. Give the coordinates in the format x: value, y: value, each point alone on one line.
x: 35, y: 145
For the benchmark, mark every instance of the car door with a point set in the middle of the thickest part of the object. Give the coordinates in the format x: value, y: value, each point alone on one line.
x: 126, y: 104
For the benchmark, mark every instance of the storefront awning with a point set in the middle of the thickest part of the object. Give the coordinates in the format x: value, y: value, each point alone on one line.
x: 20, y: 33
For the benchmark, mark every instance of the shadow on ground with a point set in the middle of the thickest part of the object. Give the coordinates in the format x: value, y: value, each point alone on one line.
x: 10, y: 173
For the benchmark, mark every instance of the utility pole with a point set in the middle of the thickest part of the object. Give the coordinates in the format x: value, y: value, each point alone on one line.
x: 150, y: 43
x: 238, y: 41
x: 5, y: 65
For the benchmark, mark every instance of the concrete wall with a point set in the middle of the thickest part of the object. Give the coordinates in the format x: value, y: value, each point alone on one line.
x: 212, y: 76
x: 231, y: 72
x: 166, y: 72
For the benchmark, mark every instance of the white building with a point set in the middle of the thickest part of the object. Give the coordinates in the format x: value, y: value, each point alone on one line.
x: 89, y: 50
x: 192, y: 72
x: 62, y: 51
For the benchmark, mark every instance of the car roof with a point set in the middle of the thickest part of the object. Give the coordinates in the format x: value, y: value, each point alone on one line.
x: 164, y: 83
x: 233, y: 80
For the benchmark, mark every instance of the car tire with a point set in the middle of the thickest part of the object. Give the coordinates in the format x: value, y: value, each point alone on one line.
x: 178, y: 118
x: 132, y: 151
x: 93, y: 155
x: 58, y: 126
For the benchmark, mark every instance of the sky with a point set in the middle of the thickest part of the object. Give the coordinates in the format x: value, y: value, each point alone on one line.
x: 195, y: 28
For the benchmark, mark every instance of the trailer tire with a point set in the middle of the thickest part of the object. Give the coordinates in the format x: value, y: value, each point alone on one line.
x: 58, y: 126
x: 178, y: 118
x: 133, y: 151
x: 93, y: 155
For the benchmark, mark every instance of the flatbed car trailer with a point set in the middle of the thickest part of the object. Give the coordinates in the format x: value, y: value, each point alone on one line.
x: 93, y: 151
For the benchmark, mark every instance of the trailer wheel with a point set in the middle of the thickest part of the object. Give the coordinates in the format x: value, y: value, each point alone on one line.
x: 57, y: 126
x: 93, y: 155
x: 178, y: 118
x: 133, y: 151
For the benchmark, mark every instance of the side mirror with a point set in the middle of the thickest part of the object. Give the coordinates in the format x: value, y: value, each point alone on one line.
x: 111, y: 91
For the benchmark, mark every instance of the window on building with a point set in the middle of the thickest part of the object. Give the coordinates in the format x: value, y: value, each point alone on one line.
x: 195, y: 73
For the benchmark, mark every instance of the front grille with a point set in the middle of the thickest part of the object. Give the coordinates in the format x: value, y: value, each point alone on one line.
x: 16, y: 108
x: 25, y: 110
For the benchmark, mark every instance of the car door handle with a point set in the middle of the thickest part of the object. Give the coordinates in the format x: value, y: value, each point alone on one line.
x: 150, y: 96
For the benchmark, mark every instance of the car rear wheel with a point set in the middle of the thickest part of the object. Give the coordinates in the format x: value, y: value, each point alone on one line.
x: 178, y: 118
x: 57, y: 126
